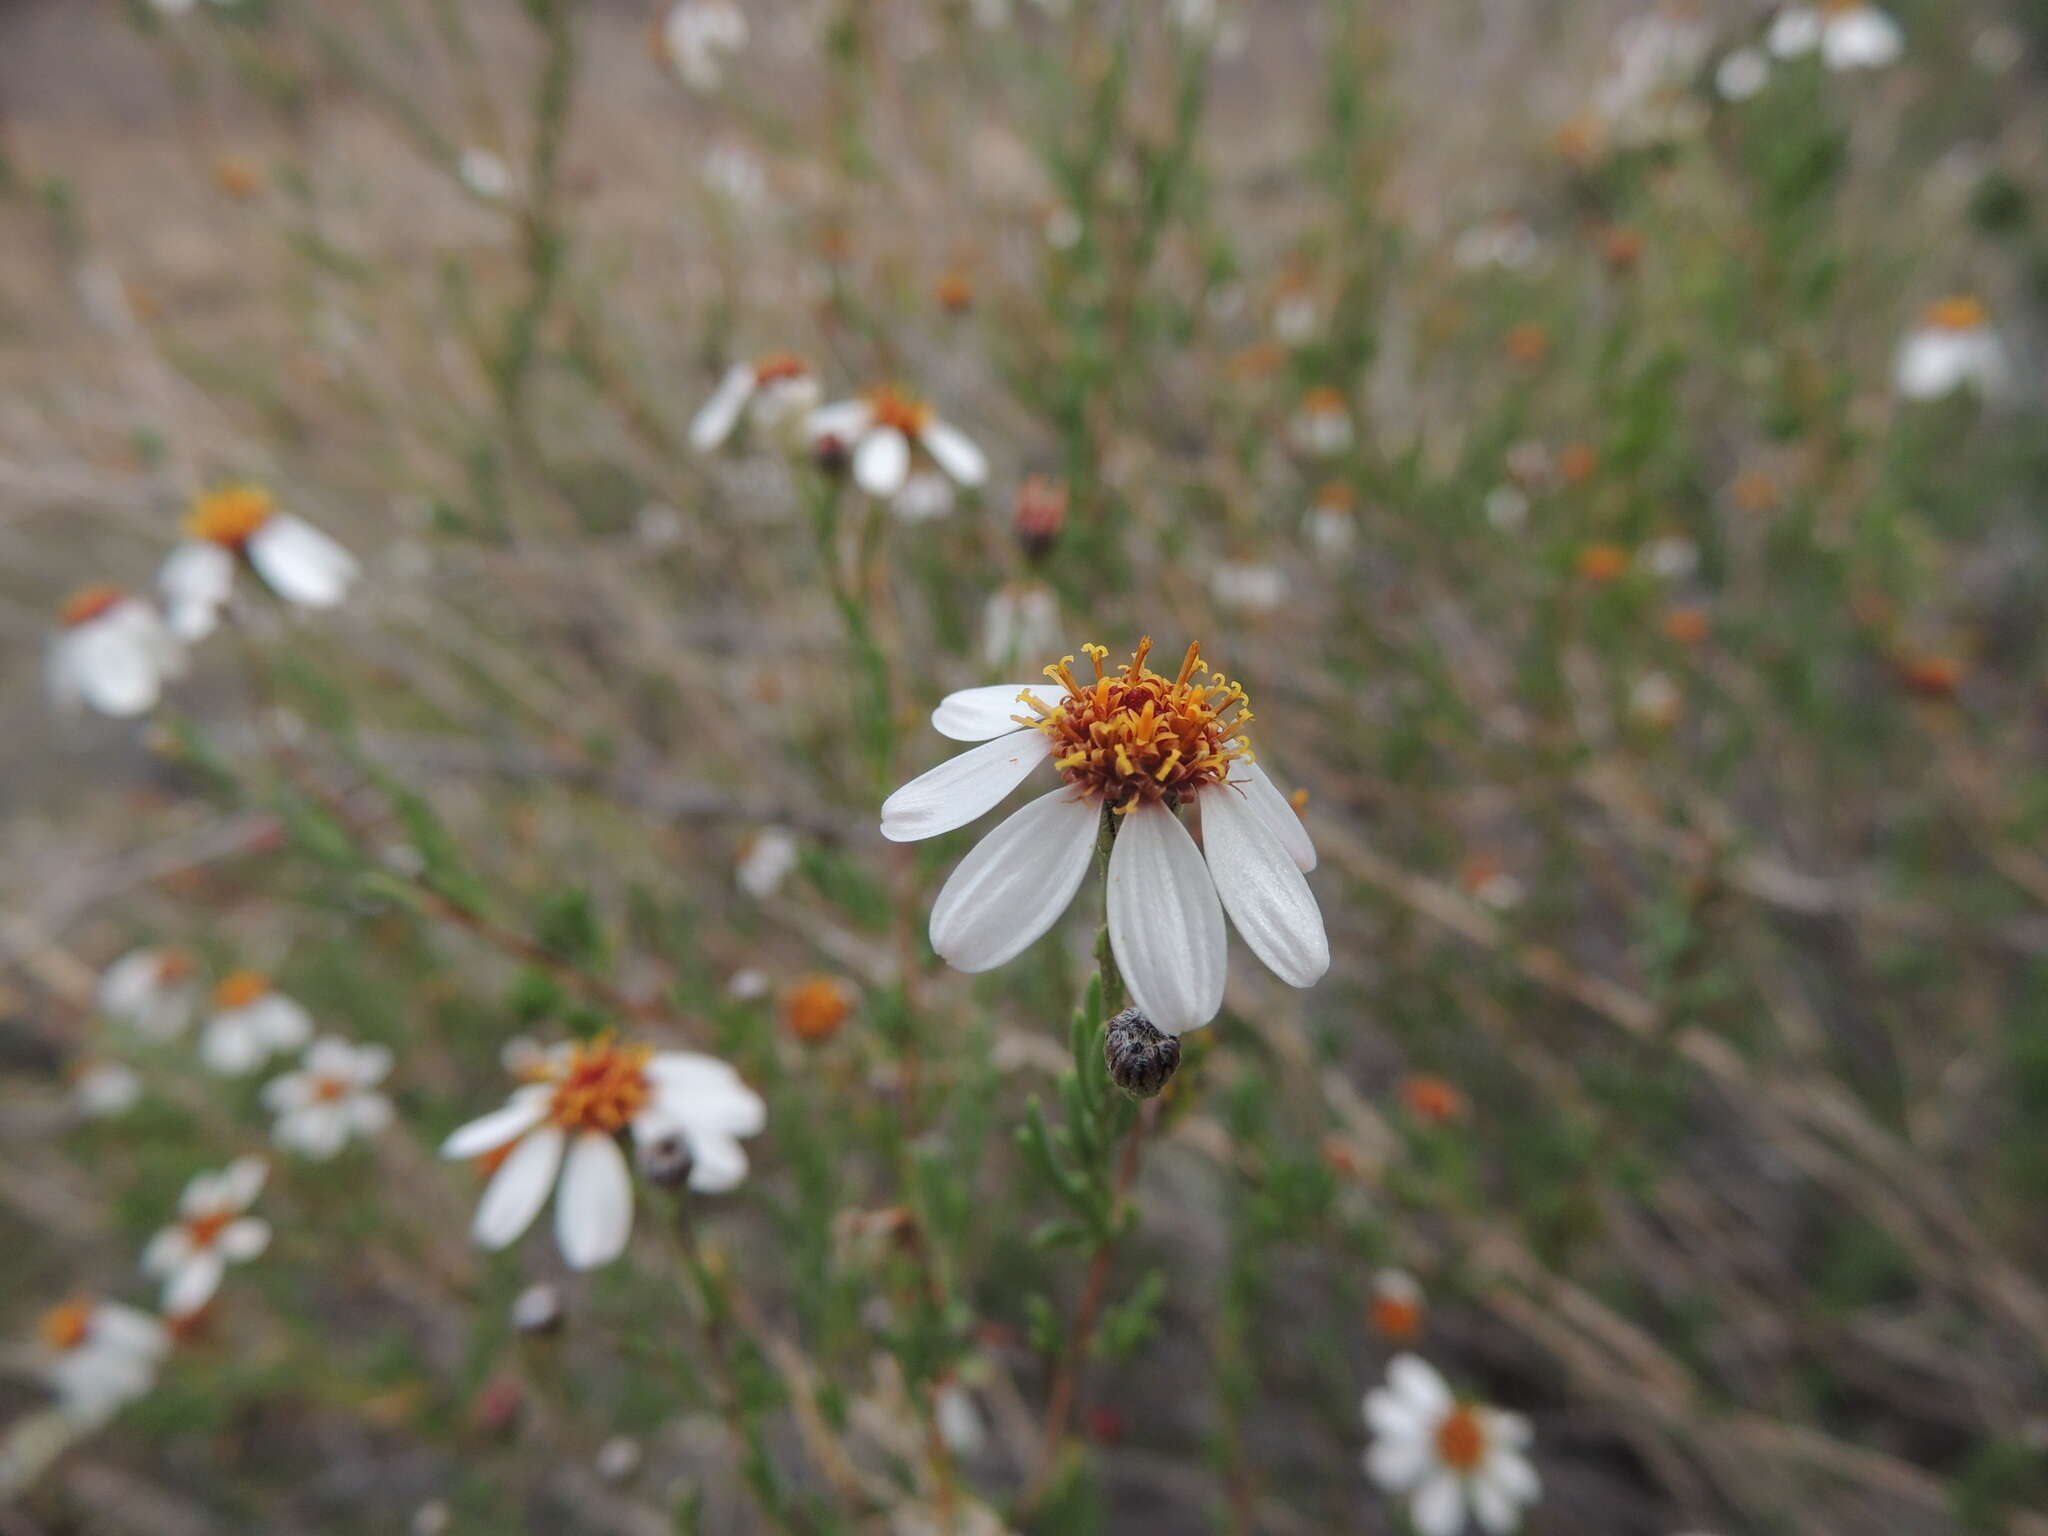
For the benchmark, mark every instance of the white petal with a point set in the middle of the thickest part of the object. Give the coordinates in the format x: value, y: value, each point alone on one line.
x: 240, y: 1183
x: 1864, y: 38
x: 699, y: 1093
x: 1438, y: 1508
x: 594, y: 1207
x: 528, y: 1107
x: 1165, y: 924
x: 1510, y: 1471
x: 518, y: 1189
x: 129, y: 985
x: 240, y: 1241
x: 1015, y: 882
x: 192, y: 1283
x: 166, y: 1251
x: 195, y: 580
x: 369, y: 1113
x: 954, y: 452
x: 111, y: 667
x: 1795, y: 31
x: 1398, y: 1462
x: 230, y: 1047
x: 293, y: 1091
x: 301, y: 564
x: 129, y: 1329
x: 881, y: 461
x: 331, y: 1056
x: 715, y: 421
x: 319, y: 1131
x: 843, y: 420
x: 1267, y: 897
x: 1393, y: 1417
x: 1492, y: 1508
x: 963, y: 787
x: 717, y: 1164
x: 1276, y: 811
x: 1418, y: 1382
x: 1504, y: 1428
x: 977, y: 714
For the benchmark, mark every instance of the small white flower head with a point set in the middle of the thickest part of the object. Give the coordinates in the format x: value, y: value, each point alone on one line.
x: 1144, y: 746
x: 1020, y: 620
x: 154, y: 992
x: 1850, y: 34
x: 1332, y: 522
x: 1398, y: 1306
x: 749, y: 984
x: 1296, y: 315
x: 565, y: 1128
x: 252, y: 1021
x: 98, y: 1356
x: 1450, y: 1459
x: 767, y: 859
x: 775, y: 392
x: 104, y: 1090
x: 1507, y: 509
x: 1672, y: 557
x: 1062, y: 228
x: 1321, y: 427
x: 1953, y: 347
x: 883, y: 429
x: 212, y: 1231
x: 485, y: 173
x: 1655, y: 701
x: 699, y: 36
x: 297, y: 561
x: 618, y: 1458
x: 1742, y: 74
x: 111, y: 651
x: 1248, y: 586
x: 330, y: 1099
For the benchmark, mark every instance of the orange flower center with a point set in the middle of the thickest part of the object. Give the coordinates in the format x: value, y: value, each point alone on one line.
x: 1134, y: 735
x: 906, y: 413
x: 815, y: 1008
x: 602, y: 1088
x: 1460, y: 1441
x: 239, y: 989
x: 1396, y: 1319
x: 1603, y: 562
x: 327, y: 1089
x: 88, y: 603
x: 1960, y: 313
x: 231, y: 515
x: 774, y: 367
x: 1324, y: 401
x: 1433, y: 1099
x: 202, y: 1230
x: 65, y: 1327
x: 174, y: 965
x: 1336, y: 497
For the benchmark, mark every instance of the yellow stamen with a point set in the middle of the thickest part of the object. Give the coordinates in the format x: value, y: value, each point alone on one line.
x: 603, y: 1087
x: 231, y: 515
x: 64, y: 1328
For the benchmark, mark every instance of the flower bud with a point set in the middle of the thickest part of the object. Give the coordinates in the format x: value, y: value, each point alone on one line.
x: 665, y: 1160
x: 537, y: 1309
x: 1140, y: 1059
x: 1041, y: 515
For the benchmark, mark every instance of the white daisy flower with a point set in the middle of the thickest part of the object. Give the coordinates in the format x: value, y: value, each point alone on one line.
x: 1249, y: 586
x: 1020, y: 620
x: 297, y: 561
x: 1447, y: 1457
x: 1849, y: 34
x: 251, y: 1023
x: 1143, y: 746
x: 152, y: 991
x: 331, y: 1098
x: 211, y: 1232
x: 485, y: 173
x: 103, y: 1090
x: 1954, y: 347
x: 569, y: 1124
x: 1321, y: 426
x: 775, y: 392
x: 1743, y: 74
x: 768, y: 858
x: 699, y: 35
x: 883, y: 428
x: 98, y: 1356
x: 112, y: 651
x: 1332, y: 523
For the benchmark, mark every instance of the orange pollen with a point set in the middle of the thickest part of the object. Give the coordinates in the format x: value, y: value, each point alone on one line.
x: 1433, y: 1099
x: 1133, y: 736
x: 906, y: 413
x: 816, y: 1008
x: 1324, y: 401
x: 231, y: 515
x: 174, y: 965
x: 88, y: 603
x: 239, y: 989
x: 1460, y: 1441
x: 1961, y: 313
x: 602, y: 1088
x: 774, y: 367
x: 1603, y: 562
x: 64, y: 1328
x: 202, y: 1230
x: 1396, y: 1320
x: 327, y: 1089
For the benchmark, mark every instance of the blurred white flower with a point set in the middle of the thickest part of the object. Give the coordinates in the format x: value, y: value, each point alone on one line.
x: 1321, y: 426
x: 699, y: 35
x: 958, y: 1420
x: 1398, y: 1304
x: 775, y: 391
x: 926, y: 497
x: 747, y: 984
x: 330, y: 1098
x: 1742, y: 74
x: 1332, y: 523
x: 1296, y: 315
x: 1506, y: 243
x: 883, y: 428
x: 1849, y: 35
x: 104, y: 1089
x: 111, y: 651
x: 251, y: 1022
x: 1122, y: 742
x: 1021, y: 620
x: 1655, y: 701
x: 485, y: 173
x: 211, y: 1232
x: 1446, y: 1457
x: 767, y: 858
x: 297, y: 561
x: 568, y: 1124
x: 1643, y: 97
x: 1670, y: 558
x: 618, y: 1458
x: 1248, y: 586
x: 1954, y: 347
x: 154, y: 992
x: 98, y: 1356
x: 1506, y: 508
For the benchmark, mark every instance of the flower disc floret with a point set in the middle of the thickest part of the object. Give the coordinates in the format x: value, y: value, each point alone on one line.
x: 602, y: 1087
x: 231, y: 515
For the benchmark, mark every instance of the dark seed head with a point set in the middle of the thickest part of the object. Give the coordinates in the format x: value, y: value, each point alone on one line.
x: 1140, y: 1059
x: 665, y: 1161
